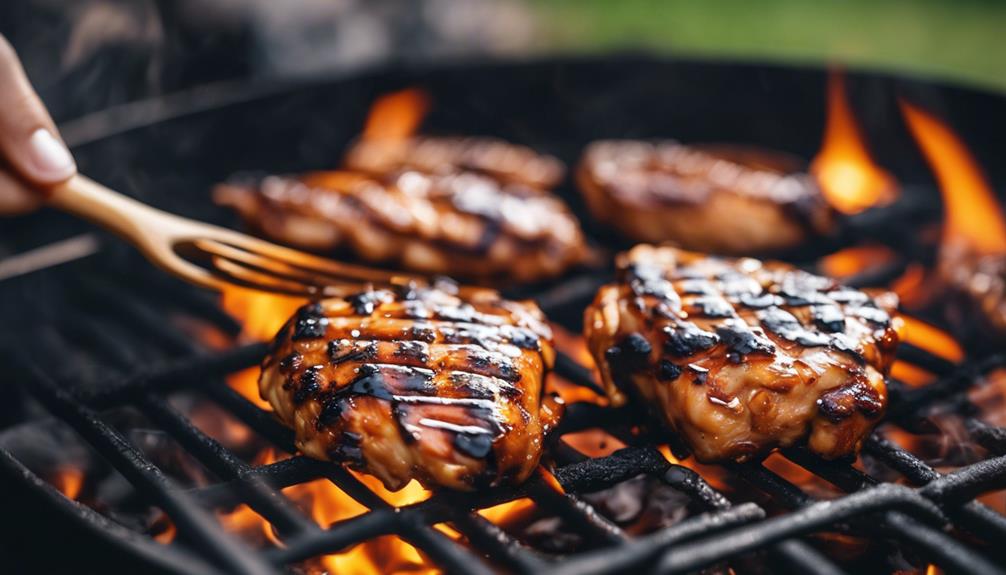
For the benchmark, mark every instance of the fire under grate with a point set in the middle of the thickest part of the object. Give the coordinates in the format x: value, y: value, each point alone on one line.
x: 935, y: 515
x: 110, y: 346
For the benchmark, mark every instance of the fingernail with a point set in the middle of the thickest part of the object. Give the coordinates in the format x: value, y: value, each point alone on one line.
x: 49, y: 157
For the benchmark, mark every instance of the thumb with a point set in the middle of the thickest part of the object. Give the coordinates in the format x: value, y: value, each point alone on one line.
x: 29, y: 141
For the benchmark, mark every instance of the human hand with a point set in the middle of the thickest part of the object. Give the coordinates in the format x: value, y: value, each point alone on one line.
x: 32, y: 155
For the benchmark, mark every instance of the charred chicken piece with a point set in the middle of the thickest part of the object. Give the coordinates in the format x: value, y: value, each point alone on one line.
x: 463, y: 224
x: 739, y: 356
x: 495, y: 158
x: 977, y: 285
x: 430, y: 383
x: 722, y: 200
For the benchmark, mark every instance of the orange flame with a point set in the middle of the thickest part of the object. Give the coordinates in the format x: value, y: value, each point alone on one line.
x: 849, y: 178
x: 853, y: 260
x: 932, y: 339
x: 929, y: 338
x: 261, y: 314
x: 397, y: 115
x: 69, y: 481
x: 550, y: 480
x: 575, y: 346
x: 911, y: 374
x: 327, y: 504
x: 911, y: 286
x: 167, y: 535
x: 973, y: 216
x: 510, y: 511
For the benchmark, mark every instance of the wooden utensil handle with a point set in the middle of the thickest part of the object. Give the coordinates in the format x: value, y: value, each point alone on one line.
x: 116, y: 212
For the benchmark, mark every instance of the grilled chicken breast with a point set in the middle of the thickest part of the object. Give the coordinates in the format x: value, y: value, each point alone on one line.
x: 464, y: 224
x: 722, y: 200
x: 977, y: 285
x: 495, y: 158
x: 430, y: 383
x: 739, y: 356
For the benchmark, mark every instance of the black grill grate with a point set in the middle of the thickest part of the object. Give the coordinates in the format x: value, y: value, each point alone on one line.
x: 934, y: 515
x: 89, y: 332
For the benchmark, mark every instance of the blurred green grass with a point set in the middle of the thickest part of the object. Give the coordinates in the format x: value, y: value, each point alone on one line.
x: 962, y: 40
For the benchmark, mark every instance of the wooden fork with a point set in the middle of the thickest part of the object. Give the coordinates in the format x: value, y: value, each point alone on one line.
x: 231, y: 258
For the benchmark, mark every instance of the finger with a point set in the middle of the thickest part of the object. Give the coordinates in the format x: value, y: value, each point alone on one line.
x: 28, y: 138
x: 15, y: 196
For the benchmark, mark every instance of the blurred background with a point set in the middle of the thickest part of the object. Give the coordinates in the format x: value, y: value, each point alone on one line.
x: 86, y: 55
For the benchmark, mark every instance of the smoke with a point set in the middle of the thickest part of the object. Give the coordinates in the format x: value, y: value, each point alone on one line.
x: 89, y: 55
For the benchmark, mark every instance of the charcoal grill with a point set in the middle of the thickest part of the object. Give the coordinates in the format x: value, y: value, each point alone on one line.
x: 92, y: 335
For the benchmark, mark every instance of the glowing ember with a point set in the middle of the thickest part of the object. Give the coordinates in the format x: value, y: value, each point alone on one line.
x: 973, y: 216
x: 69, y: 481
x: 593, y: 442
x: 167, y: 534
x: 397, y: 115
x: 850, y: 180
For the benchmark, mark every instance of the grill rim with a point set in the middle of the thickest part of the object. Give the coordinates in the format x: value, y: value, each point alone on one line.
x: 153, y: 381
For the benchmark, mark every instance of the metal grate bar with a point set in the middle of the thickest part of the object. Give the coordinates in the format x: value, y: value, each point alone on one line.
x: 811, y: 518
x: 196, y: 525
x: 975, y: 517
x: 174, y: 374
x: 267, y: 502
x: 495, y: 543
x: 947, y: 550
x: 640, y: 551
x: 78, y: 516
x: 905, y: 511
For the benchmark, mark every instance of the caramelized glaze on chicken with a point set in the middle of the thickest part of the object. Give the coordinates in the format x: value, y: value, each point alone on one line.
x: 463, y: 224
x: 489, y: 156
x: 739, y: 356
x: 430, y: 383
x: 723, y: 200
x: 977, y: 283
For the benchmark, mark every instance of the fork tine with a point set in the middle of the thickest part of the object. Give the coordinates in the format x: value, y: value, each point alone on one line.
x: 265, y: 264
x: 240, y: 274
x: 183, y: 269
x: 305, y: 261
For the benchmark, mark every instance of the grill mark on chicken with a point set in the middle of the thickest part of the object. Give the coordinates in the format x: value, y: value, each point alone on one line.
x: 500, y: 159
x: 781, y: 356
x: 727, y: 200
x: 448, y: 402
x: 433, y: 218
x: 976, y: 284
